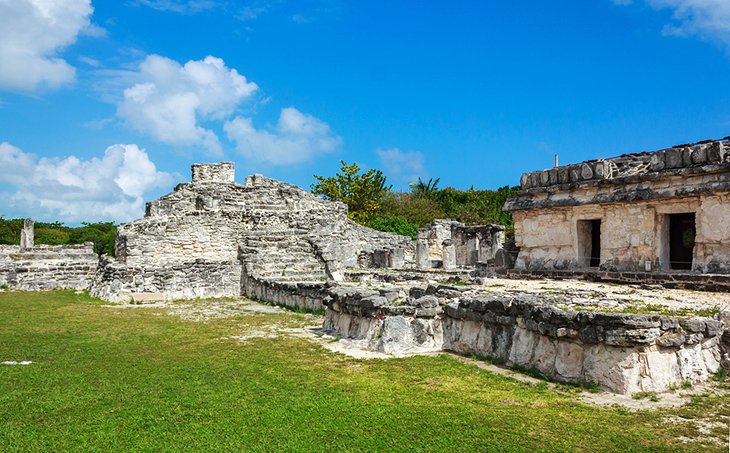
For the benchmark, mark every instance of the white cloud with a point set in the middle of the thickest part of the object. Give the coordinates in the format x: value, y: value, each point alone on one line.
x: 169, y: 100
x: 708, y: 19
x: 297, y: 138
x: 74, y: 190
x: 402, y: 166
x: 32, y: 32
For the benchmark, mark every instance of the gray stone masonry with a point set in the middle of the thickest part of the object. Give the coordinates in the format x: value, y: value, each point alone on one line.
x: 472, y: 244
x: 45, y: 267
x: 274, y: 230
x: 655, y: 212
x: 622, y: 353
x: 705, y: 158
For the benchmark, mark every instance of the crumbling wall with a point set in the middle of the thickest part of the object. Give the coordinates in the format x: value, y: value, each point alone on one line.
x: 447, y: 243
x: 622, y: 353
x: 44, y: 267
x: 118, y: 282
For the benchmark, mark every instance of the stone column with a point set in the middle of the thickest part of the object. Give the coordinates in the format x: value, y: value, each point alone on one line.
x: 449, y: 255
x: 422, y: 259
x: 27, y: 235
x: 397, y: 258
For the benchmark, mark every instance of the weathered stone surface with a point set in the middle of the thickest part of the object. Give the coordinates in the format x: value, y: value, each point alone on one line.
x: 274, y: 231
x: 45, y: 267
x: 634, y: 206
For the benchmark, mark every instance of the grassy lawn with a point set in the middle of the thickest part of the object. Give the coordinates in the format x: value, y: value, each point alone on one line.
x: 106, y: 378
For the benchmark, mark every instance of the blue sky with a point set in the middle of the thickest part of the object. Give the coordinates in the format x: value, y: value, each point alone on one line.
x: 104, y: 105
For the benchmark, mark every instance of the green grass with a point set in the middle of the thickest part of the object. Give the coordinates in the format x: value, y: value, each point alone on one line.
x: 139, y: 379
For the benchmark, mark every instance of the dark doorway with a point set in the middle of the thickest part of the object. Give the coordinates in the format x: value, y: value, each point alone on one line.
x: 595, y: 243
x: 681, y: 240
x: 589, y: 242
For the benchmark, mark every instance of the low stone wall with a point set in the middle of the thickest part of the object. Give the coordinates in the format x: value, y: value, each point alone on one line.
x: 622, y: 353
x: 305, y: 296
x: 45, y: 267
x: 117, y: 282
x: 389, y: 321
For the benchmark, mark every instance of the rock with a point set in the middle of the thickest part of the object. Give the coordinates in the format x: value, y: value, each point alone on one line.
x: 426, y: 302
x: 568, y: 360
x: 671, y: 340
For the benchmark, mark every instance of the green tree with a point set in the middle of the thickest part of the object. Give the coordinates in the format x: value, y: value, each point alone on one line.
x: 424, y: 189
x: 362, y: 192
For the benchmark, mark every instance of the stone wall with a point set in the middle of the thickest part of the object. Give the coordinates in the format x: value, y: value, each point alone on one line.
x: 633, y: 197
x: 620, y: 352
x: 300, y: 295
x: 118, y: 282
x: 220, y: 172
x: 44, y: 267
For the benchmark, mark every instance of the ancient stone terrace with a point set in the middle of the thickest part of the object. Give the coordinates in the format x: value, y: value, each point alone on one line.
x: 198, y: 240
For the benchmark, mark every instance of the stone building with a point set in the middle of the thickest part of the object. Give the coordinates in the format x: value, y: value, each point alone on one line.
x: 447, y: 244
x: 662, y: 211
x: 199, y: 240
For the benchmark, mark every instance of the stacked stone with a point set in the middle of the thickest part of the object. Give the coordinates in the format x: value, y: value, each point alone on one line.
x: 285, y: 256
x: 276, y: 230
x: 388, y: 319
x: 703, y: 154
x: 44, y: 267
x: 447, y: 244
x: 118, y: 282
x: 624, y: 353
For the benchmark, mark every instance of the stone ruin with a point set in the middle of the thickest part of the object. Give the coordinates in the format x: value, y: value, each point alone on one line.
x: 447, y: 244
x: 207, y: 236
x: 275, y: 242
x: 666, y: 211
x: 42, y: 267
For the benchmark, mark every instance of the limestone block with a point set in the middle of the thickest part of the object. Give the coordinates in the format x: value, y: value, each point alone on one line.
x: 484, y: 342
x: 699, y: 155
x: 575, y: 173
x: 523, y: 346
x: 673, y: 158
x: 525, y: 181
x: 27, y: 235
x: 691, y: 363
x: 449, y: 254
x: 615, y: 369
x: 568, y: 360
x: 716, y: 152
x: 713, y: 220
x: 544, y: 355
x: 657, y: 161
x: 422, y: 254
x: 659, y: 370
x: 544, y: 178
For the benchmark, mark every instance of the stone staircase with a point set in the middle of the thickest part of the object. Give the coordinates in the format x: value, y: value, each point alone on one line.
x: 281, y: 256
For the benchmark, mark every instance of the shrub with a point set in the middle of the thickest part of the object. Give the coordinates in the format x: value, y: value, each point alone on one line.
x: 394, y: 224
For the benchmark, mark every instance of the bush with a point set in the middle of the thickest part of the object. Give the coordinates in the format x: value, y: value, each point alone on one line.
x: 394, y: 224
x: 102, y: 234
